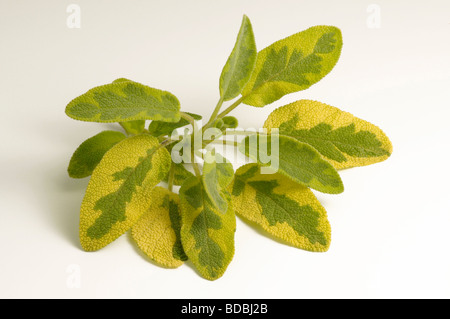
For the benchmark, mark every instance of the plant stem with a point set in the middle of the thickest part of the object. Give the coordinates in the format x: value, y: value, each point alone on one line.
x: 171, y: 177
x: 190, y: 119
x: 231, y: 107
x: 224, y: 142
x: 195, y: 166
x: 214, y: 113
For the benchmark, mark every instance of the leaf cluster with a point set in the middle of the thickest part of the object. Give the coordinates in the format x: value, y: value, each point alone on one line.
x: 303, y: 147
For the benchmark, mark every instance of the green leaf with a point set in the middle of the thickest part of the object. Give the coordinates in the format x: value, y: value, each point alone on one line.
x: 342, y: 139
x: 180, y: 174
x: 159, y: 128
x: 240, y: 64
x: 133, y: 127
x: 90, y: 153
x: 283, y: 208
x: 157, y: 232
x: 217, y: 175
x: 293, y: 64
x: 207, y: 235
x: 296, y: 160
x: 123, y: 101
x: 117, y: 194
x: 229, y: 122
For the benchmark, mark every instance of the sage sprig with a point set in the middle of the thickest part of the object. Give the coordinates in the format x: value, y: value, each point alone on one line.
x: 301, y: 147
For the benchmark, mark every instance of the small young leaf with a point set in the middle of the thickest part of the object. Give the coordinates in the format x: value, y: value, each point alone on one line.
x: 296, y: 160
x: 240, y: 64
x: 90, y: 153
x: 343, y: 139
x: 293, y: 64
x: 229, y: 122
x: 217, y: 175
x: 123, y: 101
x: 157, y: 232
x: 133, y: 127
x: 283, y: 208
x: 180, y: 174
x: 207, y: 235
x: 117, y: 194
x: 158, y: 128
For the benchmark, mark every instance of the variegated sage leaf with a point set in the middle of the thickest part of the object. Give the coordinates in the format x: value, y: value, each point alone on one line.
x: 296, y: 160
x: 123, y: 101
x: 207, y: 235
x: 159, y: 128
x: 157, y: 232
x: 240, y: 64
x: 133, y: 127
x: 117, y: 194
x: 90, y: 153
x: 342, y: 139
x: 293, y: 64
x: 217, y: 175
x: 281, y: 207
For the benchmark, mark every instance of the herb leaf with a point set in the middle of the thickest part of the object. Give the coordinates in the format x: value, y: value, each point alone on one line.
x: 240, y: 64
x: 180, y: 174
x: 343, y: 139
x: 90, y: 152
x: 293, y: 64
x: 296, y: 160
x: 158, y: 128
x: 123, y: 101
x: 157, y: 232
x: 133, y: 127
x: 117, y: 194
x: 217, y: 175
x: 207, y: 235
x: 281, y: 207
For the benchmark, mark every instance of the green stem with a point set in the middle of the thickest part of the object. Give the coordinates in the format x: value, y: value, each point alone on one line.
x: 224, y: 142
x: 239, y: 133
x: 231, y: 107
x: 214, y: 113
x: 195, y: 166
x: 171, y: 177
x: 190, y: 119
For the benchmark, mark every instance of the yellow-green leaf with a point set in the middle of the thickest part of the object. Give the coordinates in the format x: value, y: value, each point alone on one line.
x: 180, y: 174
x: 217, y: 175
x: 341, y: 138
x: 158, y: 128
x: 283, y: 208
x: 240, y: 63
x: 90, y: 153
x: 157, y: 232
x: 117, y: 194
x: 207, y: 235
x: 123, y: 101
x: 293, y: 64
x: 296, y: 160
x: 133, y: 127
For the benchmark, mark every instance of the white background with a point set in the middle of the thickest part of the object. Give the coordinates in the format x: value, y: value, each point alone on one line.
x: 390, y: 226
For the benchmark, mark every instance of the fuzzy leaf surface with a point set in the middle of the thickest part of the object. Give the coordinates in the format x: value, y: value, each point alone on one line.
x: 206, y: 234
x: 90, y: 153
x: 240, y: 64
x: 281, y: 207
x: 123, y: 101
x: 157, y: 232
x: 342, y: 139
x: 117, y: 193
x: 293, y: 64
